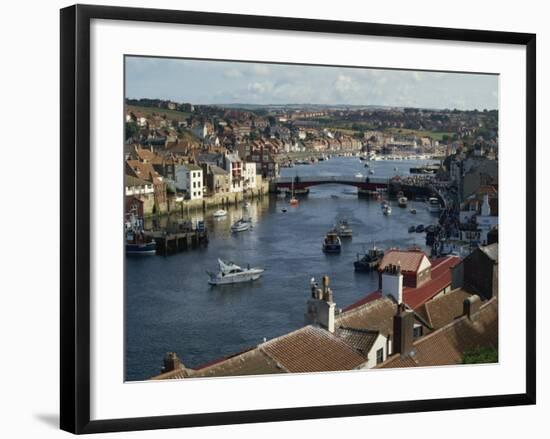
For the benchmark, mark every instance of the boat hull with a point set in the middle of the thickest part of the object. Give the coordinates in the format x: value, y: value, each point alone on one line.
x: 146, y: 249
x: 250, y: 276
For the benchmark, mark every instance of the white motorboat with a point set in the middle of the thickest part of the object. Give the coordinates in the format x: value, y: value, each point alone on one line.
x: 231, y: 273
x: 386, y: 210
x: 402, y: 201
x: 219, y: 213
x: 241, y: 225
x: 358, y: 175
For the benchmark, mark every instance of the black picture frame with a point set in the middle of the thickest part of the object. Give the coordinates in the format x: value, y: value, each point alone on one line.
x: 75, y: 217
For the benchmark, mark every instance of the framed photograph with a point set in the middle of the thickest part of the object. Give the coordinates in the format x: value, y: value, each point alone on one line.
x: 275, y: 218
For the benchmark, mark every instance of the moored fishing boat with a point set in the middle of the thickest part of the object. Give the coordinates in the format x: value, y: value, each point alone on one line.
x: 332, y: 243
x: 369, y: 261
x: 136, y: 241
x: 343, y: 229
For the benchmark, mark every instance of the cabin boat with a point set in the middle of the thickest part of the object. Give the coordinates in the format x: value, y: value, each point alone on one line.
x: 332, y: 243
x: 219, y: 213
x: 419, y: 228
x: 230, y: 273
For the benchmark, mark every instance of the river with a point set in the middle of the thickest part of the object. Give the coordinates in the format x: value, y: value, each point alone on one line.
x: 170, y: 306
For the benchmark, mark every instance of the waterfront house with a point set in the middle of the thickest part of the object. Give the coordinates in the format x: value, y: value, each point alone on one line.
x: 217, y: 180
x: 189, y: 179
x: 146, y: 172
x: 140, y: 190
x: 234, y: 166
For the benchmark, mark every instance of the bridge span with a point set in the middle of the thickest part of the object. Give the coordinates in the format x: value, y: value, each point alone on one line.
x: 366, y: 183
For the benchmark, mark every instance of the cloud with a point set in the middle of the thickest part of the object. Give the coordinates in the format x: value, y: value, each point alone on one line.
x: 260, y: 69
x: 233, y: 73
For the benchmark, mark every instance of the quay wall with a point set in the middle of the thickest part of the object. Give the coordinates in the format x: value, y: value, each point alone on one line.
x: 214, y: 201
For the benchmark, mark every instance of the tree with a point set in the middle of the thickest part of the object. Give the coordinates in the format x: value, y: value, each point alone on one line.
x: 132, y: 130
x: 480, y: 355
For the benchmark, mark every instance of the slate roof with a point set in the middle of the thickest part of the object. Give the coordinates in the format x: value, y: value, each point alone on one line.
x: 312, y: 349
x: 361, y: 340
x: 447, y: 345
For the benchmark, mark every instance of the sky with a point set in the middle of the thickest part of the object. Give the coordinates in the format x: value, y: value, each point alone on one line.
x: 225, y: 82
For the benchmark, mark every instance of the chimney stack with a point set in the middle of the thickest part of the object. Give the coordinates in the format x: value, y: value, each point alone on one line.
x: 403, y: 331
x: 471, y: 306
x: 172, y: 362
x: 321, y: 308
x: 392, y: 282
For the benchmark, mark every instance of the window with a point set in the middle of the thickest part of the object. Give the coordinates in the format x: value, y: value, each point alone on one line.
x: 194, y: 184
x: 417, y: 331
x: 379, y: 355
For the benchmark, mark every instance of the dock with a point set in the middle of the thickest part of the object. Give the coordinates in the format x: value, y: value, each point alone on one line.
x: 172, y: 243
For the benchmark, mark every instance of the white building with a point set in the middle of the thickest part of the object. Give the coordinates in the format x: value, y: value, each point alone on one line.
x: 250, y: 176
x: 234, y: 165
x: 200, y: 131
x: 189, y: 179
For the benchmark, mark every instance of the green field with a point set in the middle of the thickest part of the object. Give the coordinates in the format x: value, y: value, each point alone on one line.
x: 435, y: 135
x: 149, y: 111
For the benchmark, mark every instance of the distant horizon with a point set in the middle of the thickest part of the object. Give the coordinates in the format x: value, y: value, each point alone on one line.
x: 305, y: 104
x: 230, y: 83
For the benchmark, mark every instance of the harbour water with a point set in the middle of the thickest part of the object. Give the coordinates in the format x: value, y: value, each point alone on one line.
x: 170, y: 306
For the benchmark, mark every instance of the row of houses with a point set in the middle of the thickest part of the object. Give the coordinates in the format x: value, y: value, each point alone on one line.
x: 424, y: 313
x: 154, y: 178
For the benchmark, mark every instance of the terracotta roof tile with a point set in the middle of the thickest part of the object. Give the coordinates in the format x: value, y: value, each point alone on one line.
x: 447, y: 345
x: 376, y: 315
x: 312, y: 349
x: 443, y: 310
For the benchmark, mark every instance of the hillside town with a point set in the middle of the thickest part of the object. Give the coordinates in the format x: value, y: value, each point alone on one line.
x: 435, y: 305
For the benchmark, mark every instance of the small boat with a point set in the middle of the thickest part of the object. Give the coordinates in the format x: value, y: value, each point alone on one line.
x: 413, y: 211
x: 369, y: 261
x: 219, y: 213
x: 386, y: 210
x: 332, y: 243
x: 231, y: 273
x: 402, y: 202
x: 430, y: 229
x: 412, y: 229
x: 371, y: 171
x: 367, y: 165
x: 419, y: 228
x: 283, y: 210
x: 344, y: 230
x: 358, y: 175
x: 241, y: 225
